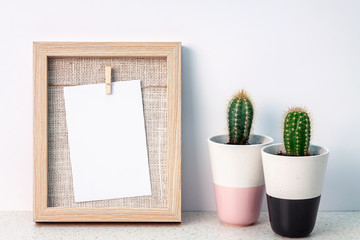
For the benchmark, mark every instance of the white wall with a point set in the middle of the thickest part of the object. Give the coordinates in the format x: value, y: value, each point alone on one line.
x: 283, y: 52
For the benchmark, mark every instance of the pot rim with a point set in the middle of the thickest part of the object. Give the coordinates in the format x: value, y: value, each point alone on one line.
x: 326, y: 151
x: 270, y: 141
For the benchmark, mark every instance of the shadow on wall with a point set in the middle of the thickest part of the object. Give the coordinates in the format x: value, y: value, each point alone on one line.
x: 191, y: 177
x: 271, y: 124
x: 342, y: 178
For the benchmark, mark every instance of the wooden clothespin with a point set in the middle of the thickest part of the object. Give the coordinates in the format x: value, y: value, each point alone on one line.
x: 108, y: 80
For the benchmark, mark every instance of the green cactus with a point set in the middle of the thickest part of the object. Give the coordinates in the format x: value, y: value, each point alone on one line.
x: 239, y: 115
x: 297, y: 132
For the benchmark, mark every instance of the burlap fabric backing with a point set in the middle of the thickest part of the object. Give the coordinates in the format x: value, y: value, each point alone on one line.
x: 81, y: 71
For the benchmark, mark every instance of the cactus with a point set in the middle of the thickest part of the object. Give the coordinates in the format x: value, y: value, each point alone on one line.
x: 297, y: 132
x: 239, y: 115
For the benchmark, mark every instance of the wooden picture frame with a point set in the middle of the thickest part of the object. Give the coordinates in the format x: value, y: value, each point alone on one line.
x: 45, y: 50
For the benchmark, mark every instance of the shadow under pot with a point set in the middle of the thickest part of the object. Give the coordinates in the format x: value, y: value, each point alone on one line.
x: 293, y: 188
x: 238, y: 178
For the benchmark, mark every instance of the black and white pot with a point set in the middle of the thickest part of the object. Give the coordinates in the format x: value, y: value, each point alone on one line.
x: 293, y: 188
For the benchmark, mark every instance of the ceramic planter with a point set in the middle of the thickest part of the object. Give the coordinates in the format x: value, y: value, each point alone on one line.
x: 293, y: 189
x: 238, y: 178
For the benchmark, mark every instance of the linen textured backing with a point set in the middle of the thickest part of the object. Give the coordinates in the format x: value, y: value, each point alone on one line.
x: 81, y: 71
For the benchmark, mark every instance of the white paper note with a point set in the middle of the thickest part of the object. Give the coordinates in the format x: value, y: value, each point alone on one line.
x: 107, y: 141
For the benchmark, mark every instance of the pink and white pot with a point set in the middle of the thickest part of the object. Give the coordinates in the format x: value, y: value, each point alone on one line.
x: 238, y: 178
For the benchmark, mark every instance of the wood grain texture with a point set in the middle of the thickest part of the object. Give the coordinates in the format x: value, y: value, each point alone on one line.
x: 44, y: 50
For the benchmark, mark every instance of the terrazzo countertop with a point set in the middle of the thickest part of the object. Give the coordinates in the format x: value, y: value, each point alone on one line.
x: 195, y: 225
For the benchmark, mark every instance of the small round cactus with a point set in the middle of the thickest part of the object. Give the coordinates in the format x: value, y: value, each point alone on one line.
x: 240, y: 113
x: 297, y: 132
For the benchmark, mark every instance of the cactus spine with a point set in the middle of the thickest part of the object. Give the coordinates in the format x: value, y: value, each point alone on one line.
x: 297, y: 132
x: 239, y: 115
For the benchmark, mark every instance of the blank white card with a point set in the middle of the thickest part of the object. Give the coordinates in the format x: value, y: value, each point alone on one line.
x: 107, y: 141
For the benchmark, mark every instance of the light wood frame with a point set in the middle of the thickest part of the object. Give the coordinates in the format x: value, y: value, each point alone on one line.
x: 45, y: 50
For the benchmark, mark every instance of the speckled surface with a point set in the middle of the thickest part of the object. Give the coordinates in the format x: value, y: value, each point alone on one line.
x: 195, y: 225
